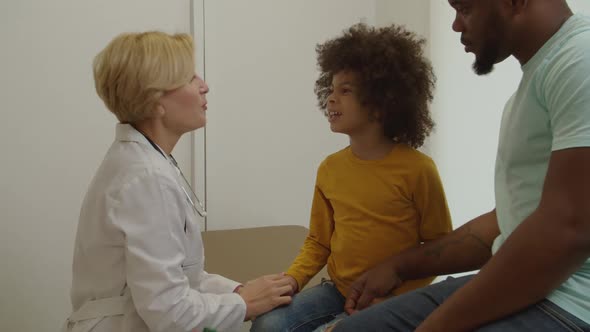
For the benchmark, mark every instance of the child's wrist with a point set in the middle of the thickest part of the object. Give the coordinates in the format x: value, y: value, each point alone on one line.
x: 294, y: 283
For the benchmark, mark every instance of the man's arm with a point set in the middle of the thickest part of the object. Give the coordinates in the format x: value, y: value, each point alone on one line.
x: 541, y: 253
x: 465, y: 249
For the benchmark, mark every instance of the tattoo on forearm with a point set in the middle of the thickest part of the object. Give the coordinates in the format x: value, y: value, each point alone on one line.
x: 438, y: 249
x: 478, y: 239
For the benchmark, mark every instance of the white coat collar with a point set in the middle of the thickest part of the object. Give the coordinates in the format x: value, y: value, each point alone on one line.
x: 125, y: 132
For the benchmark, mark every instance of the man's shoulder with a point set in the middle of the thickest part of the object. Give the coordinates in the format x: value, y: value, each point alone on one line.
x: 574, y: 45
x: 567, y: 62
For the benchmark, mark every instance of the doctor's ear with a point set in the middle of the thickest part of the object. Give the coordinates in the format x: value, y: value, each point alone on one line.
x: 159, y: 111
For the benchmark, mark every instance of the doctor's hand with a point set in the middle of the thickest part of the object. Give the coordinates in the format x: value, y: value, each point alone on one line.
x: 265, y: 293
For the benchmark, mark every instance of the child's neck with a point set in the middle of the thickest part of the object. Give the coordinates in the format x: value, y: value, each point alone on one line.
x: 371, y: 147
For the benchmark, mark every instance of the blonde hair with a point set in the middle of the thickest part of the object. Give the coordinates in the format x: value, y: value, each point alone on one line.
x: 135, y: 69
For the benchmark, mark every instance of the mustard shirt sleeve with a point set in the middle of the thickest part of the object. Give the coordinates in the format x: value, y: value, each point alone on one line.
x: 316, y: 248
x: 431, y: 203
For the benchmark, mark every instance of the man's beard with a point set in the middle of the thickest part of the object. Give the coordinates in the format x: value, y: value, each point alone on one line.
x: 490, y: 50
x: 484, y: 63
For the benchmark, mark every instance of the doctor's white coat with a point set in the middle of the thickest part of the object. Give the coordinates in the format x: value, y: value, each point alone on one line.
x: 138, y: 257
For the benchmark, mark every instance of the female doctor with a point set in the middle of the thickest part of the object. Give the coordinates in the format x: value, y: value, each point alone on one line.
x: 138, y: 257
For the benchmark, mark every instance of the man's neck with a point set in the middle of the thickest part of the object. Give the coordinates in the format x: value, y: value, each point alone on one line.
x: 537, y: 33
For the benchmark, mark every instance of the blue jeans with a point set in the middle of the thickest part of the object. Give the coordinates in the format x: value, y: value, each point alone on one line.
x: 407, y: 311
x: 309, y: 309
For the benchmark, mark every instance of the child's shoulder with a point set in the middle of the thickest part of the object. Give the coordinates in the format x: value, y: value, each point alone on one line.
x: 413, y: 156
x: 335, y: 158
x: 340, y: 154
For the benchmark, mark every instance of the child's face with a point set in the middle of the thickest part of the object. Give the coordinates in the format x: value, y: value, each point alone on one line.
x: 344, y: 110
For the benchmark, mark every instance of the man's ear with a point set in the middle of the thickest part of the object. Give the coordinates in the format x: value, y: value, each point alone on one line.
x: 513, y: 7
x: 510, y: 9
x: 518, y: 6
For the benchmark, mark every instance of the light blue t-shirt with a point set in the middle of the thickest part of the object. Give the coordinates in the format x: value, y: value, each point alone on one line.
x: 550, y: 111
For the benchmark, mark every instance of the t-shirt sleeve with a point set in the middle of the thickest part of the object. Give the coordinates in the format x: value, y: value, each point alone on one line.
x: 316, y: 248
x: 431, y: 203
x: 566, y: 90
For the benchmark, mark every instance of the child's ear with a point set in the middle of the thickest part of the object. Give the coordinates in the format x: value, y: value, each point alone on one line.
x: 374, y: 115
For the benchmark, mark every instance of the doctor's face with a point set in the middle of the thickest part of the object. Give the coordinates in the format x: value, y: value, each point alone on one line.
x: 186, y: 106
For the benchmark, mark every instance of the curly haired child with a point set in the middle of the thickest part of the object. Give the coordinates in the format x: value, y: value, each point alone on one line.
x: 379, y: 195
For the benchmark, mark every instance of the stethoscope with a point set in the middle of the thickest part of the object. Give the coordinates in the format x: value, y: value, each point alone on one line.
x: 191, y: 196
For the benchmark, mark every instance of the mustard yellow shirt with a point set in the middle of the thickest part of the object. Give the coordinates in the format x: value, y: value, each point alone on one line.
x: 365, y: 211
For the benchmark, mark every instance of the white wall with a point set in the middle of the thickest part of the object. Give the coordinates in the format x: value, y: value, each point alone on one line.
x: 414, y: 15
x: 265, y: 136
x: 53, y: 134
x: 580, y: 6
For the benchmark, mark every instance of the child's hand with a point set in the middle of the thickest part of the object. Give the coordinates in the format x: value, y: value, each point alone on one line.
x: 293, y: 283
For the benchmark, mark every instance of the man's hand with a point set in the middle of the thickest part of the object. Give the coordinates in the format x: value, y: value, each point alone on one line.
x: 374, y: 284
x: 380, y: 299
